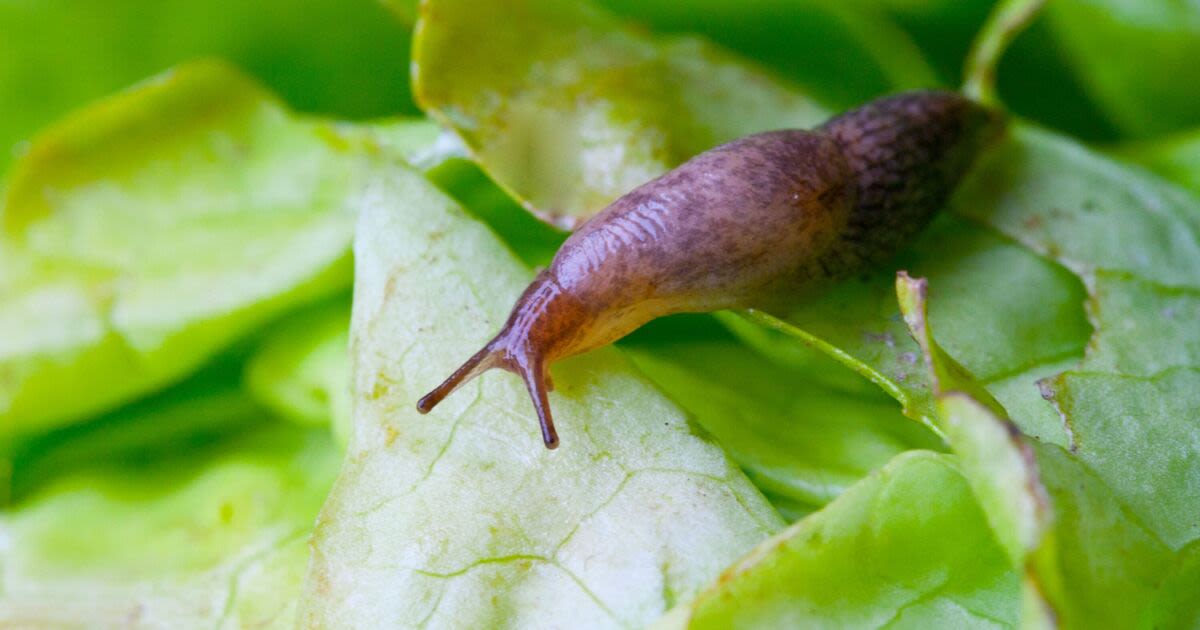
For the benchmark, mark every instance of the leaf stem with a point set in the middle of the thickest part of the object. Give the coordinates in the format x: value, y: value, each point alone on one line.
x: 1007, y: 20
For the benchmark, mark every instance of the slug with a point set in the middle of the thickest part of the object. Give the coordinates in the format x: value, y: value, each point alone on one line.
x: 758, y: 222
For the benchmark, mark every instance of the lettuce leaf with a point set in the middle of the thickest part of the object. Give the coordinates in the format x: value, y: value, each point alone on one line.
x: 907, y: 546
x: 1065, y: 515
x: 150, y: 230
x: 463, y: 516
x: 301, y: 370
x: 202, y: 537
x: 1136, y: 243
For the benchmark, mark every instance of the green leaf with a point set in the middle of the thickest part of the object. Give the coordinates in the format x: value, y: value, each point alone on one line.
x: 1130, y: 404
x: 567, y: 108
x: 906, y: 547
x: 1085, y: 211
x: 1087, y: 560
x: 797, y: 438
x: 207, y: 537
x: 148, y: 231
x: 462, y: 516
x: 995, y: 458
x: 1123, y: 485
x: 301, y: 371
x: 1134, y: 433
x: 332, y: 56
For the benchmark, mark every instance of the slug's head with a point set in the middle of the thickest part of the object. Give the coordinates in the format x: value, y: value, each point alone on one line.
x: 544, y: 325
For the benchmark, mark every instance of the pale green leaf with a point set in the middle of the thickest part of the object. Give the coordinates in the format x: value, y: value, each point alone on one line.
x: 301, y: 370
x: 1085, y: 211
x: 151, y: 229
x: 462, y: 517
x: 214, y: 537
x: 996, y: 459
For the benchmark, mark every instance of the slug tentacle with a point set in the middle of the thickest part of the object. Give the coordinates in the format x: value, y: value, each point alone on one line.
x: 523, y: 362
x: 534, y: 374
x: 479, y: 363
x: 545, y: 325
x: 767, y: 219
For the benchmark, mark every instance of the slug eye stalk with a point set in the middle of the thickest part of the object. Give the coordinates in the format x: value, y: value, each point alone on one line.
x: 531, y: 369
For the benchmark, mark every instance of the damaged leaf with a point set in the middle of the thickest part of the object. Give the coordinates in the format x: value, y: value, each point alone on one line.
x: 1122, y: 486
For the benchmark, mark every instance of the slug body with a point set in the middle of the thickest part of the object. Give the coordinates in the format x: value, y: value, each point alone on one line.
x: 757, y: 222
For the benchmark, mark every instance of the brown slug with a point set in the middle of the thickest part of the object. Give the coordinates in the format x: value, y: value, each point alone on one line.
x: 756, y: 222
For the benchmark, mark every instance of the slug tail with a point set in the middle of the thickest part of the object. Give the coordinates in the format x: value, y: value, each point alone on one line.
x: 479, y: 363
